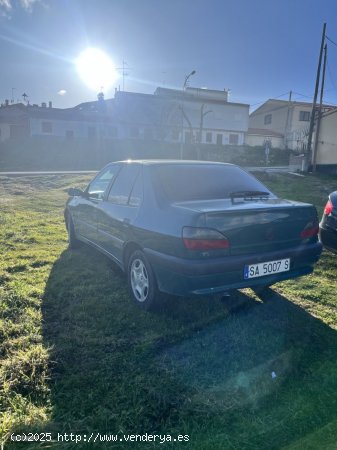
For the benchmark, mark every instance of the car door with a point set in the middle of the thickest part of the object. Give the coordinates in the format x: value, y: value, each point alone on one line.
x: 85, y: 214
x: 116, y: 214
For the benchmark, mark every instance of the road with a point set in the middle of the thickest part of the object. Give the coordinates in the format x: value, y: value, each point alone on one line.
x: 50, y: 172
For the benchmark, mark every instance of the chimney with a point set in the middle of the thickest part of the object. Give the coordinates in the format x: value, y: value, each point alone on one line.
x: 6, y: 102
x: 50, y: 104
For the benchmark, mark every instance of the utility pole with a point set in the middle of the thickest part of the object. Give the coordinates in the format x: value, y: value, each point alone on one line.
x: 287, y: 120
x: 314, y: 156
x: 313, y: 112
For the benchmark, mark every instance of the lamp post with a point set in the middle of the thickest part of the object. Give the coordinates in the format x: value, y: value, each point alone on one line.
x: 187, y: 78
x: 202, y: 115
x: 182, y: 113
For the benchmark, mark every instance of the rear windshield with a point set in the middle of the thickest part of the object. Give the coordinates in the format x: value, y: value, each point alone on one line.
x: 203, y: 182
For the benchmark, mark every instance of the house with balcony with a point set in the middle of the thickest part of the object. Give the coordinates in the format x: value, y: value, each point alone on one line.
x: 288, y: 121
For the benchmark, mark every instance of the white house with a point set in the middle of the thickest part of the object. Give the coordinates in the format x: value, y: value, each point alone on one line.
x: 289, y: 119
x: 326, y: 152
x: 193, y: 115
x: 205, y: 115
x: 21, y: 120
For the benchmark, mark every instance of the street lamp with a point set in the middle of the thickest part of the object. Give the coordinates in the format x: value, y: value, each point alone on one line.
x: 187, y: 78
x: 182, y: 113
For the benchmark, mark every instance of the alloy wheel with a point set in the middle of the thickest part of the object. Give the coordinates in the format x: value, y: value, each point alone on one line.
x: 139, y: 280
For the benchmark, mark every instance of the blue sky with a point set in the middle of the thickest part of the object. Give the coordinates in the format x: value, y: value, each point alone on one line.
x: 257, y: 48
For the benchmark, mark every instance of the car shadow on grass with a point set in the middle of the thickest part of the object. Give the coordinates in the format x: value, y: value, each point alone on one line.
x: 254, y: 372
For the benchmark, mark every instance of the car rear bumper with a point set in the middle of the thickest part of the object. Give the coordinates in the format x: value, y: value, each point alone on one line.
x: 328, y: 238
x: 184, y: 276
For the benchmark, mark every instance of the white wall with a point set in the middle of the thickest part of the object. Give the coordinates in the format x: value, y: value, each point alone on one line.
x: 259, y: 140
x: 222, y: 116
x: 59, y: 128
x: 327, y: 142
x: 4, y: 132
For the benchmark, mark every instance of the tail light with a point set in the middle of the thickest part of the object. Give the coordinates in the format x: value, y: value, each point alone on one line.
x: 328, y: 208
x: 310, y: 230
x: 203, y: 239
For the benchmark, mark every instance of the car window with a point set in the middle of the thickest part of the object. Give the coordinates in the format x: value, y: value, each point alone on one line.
x: 121, y: 189
x: 203, y: 182
x: 136, y: 195
x: 99, y: 185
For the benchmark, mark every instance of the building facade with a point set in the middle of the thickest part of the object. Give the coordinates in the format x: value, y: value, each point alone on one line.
x: 289, y: 119
x: 192, y: 116
x: 20, y: 121
x: 205, y: 116
x: 326, y: 151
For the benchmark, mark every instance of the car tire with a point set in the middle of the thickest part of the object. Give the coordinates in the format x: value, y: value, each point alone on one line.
x: 73, y: 242
x: 142, y: 281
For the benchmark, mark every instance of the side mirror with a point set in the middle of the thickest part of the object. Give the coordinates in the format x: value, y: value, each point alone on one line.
x: 74, y: 192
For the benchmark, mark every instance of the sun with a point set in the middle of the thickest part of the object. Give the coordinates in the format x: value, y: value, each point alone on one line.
x: 96, y: 69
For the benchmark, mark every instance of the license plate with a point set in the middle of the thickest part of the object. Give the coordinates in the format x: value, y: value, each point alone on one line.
x: 266, y: 268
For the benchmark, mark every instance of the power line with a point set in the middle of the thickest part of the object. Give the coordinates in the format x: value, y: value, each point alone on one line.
x: 303, y: 95
x: 275, y: 98
x: 330, y: 75
x: 282, y: 95
x: 334, y: 43
x: 277, y: 108
x: 286, y: 102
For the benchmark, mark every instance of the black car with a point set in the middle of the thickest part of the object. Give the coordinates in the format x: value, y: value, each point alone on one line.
x: 185, y: 227
x: 328, y: 224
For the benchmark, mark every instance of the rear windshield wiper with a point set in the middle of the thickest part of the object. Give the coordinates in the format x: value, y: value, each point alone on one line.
x: 248, y: 195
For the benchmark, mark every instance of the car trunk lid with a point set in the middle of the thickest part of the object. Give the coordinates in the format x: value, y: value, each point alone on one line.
x: 257, y: 225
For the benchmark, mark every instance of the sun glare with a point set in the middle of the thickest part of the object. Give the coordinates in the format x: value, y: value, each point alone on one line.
x: 96, y: 69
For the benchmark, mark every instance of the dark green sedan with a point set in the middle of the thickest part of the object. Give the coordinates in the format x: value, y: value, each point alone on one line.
x: 185, y: 227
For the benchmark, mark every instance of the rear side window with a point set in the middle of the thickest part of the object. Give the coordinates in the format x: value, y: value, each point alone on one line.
x: 136, y: 195
x: 98, y: 186
x: 121, y: 189
x: 203, y: 182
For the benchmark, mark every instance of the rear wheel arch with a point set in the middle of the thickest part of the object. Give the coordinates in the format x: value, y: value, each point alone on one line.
x: 130, y: 248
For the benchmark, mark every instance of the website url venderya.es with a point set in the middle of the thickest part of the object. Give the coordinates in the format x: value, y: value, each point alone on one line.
x: 98, y: 437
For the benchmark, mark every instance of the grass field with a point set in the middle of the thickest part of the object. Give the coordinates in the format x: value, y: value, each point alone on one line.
x: 78, y: 357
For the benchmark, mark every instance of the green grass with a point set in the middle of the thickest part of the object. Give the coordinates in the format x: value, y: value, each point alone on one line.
x: 77, y: 355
